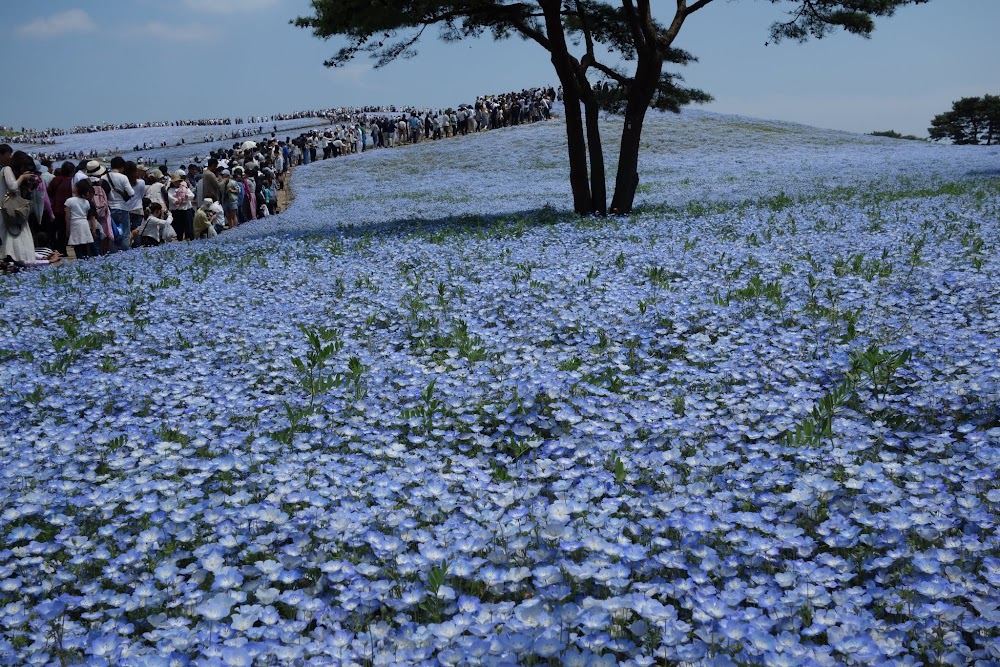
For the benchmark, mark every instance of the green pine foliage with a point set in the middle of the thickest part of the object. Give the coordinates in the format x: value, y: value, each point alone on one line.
x: 893, y: 134
x: 971, y: 121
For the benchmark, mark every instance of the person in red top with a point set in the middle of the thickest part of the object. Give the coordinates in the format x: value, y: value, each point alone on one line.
x: 61, y: 189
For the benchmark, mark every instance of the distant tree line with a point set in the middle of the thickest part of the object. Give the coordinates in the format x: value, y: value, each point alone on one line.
x: 893, y: 134
x: 971, y: 121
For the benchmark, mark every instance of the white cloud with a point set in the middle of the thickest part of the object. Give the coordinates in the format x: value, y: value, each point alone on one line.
x: 230, y: 6
x: 190, y: 32
x: 73, y: 20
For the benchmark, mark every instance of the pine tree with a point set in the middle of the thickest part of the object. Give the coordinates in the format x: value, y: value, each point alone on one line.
x: 972, y: 120
x: 386, y: 30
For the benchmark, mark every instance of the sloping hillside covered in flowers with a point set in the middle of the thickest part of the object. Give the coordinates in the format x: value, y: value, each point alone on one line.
x: 428, y: 417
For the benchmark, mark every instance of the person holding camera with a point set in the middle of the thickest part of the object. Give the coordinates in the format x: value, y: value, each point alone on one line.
x: 18, y: 178
x: 154, y: 229
x: 205, y: 219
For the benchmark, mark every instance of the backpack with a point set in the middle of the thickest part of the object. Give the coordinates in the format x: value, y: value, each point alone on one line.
x: 102, y: 211
x: 100, y: 202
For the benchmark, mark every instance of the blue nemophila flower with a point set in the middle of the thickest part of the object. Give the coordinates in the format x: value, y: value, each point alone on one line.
x: 583, y: 442
x: 104, y: 646
x: 216, y: 608
x: 856, y: 645
x: 50, y: 609
x: 237, y: 656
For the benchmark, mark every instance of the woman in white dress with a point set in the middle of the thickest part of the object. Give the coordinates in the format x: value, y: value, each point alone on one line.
x: 20, y: 172
x: 81, y: 220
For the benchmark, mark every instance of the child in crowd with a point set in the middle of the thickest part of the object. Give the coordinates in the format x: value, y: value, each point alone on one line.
x: 81, y: 220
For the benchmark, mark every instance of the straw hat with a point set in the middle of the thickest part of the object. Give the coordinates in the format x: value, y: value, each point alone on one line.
x: 96, y: 169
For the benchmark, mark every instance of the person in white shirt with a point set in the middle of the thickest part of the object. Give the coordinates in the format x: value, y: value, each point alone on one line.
x: 156, y: 189
x: 81, y: 221
x: 118, y: 198
x: 46, y: 172
x: 81, y: 172
x: 154, y: 230
x: 136, y: 211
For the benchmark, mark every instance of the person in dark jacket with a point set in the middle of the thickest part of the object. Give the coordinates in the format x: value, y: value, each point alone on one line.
x: 61, y: 189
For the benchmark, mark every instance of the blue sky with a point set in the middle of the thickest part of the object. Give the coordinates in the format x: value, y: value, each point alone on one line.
x: 135, y: 60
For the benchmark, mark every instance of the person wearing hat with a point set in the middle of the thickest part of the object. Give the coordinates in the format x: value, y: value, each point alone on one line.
x: 156, y: 190
x: 95, y: 169
x: 230, y: 198
x: 204, y: 219
x: 181, y: 197
x: 104, y: 231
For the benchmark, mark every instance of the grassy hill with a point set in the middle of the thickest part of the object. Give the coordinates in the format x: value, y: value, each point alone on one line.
x: 695, y: 159
x: 428, y: 415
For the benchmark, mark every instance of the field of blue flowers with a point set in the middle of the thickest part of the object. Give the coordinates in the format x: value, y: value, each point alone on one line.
x: 428, y: 417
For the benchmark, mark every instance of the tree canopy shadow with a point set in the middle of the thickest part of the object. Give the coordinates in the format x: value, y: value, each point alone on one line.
x: 442, y: 228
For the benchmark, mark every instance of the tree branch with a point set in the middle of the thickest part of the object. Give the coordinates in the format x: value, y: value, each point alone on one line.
x: 696, y: 6
x: 611, y: 73
x: 633, y: 24
x: 589, y: 58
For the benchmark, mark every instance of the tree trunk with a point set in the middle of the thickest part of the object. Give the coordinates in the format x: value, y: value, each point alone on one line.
x: 627, y: 179
x: 575, y: 142
x: 577, y: 147
x: 598, y: 178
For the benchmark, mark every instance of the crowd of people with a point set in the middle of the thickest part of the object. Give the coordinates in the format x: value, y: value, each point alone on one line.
x: 97, y: 209
x: 360, y: 130
x: 52, y: 156
x: 47, y: 137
